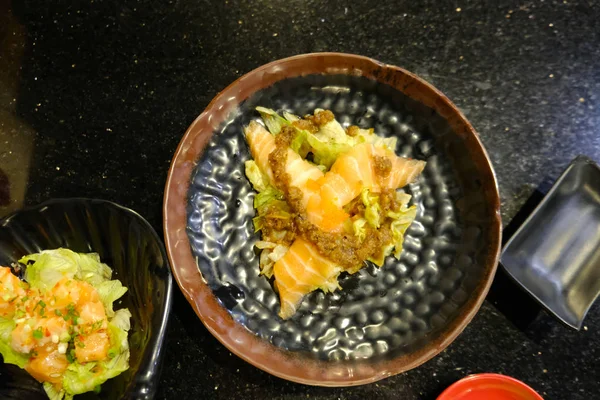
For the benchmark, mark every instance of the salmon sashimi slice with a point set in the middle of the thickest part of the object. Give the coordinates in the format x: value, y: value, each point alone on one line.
x: 300, y: 271
x: 48, y: 365
x: 325, y: 214
x: 403, y: 172
x: 302, y: 173
x: 261, y: 143
x: 356, y: 167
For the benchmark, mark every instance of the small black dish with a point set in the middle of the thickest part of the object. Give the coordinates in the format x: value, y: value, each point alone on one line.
x: 130, y: 246
x: 554, y: 254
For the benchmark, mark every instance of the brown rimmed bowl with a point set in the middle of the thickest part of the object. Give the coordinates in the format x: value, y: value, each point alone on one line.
x: 384, y: 321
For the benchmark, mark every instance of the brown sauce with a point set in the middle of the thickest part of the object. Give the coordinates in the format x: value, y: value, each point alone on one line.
x: 352, y: 130
x: 321, y: 117
x: 382, y: 166
x: 306, y: 125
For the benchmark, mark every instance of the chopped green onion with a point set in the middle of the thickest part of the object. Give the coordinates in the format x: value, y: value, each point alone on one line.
x: 38, y: 334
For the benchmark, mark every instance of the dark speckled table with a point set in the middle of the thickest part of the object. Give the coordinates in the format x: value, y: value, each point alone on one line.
x: 95, y: 97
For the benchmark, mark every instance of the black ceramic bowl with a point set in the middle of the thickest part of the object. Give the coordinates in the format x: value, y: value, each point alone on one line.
x: 385, y: 321
x: 130, y: 246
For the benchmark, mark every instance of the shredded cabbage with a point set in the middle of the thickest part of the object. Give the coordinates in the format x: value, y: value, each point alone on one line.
x: 273, y: 121
x: 258, y: 179
x: 372, y: 208
x: 325, y: 152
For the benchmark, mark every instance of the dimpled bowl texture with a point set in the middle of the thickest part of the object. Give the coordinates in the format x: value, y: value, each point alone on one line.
x: 385, y: 320
x: 128, y: 244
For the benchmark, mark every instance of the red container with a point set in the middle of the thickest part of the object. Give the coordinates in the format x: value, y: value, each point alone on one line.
x: 489, y: 387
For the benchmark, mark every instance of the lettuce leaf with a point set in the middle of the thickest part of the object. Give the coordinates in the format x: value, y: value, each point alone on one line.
x: 109, y: 292
x: 325, y: 153
x: 117, y: 330
x: 267, y: 196
x: 399, y: 220
x: 10, y: 356
x: 273, y: 121
x: 277, y: 209
x: 290, y: 117
x: 270, y: 254
x: 359, y: 229
x: 400, y: 224
x: 122, y: 319
x: 300, y: 144
x: 91, y: 269
x: 54, y: 394
x: 50, y: 266
x: 372, y: 208
x: 258, y: 180
x: 333, y: 132
x: 369, y: 136
x: 81, y: 378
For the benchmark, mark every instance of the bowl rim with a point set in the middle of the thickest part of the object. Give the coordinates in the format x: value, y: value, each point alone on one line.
x: 150, y: 374
x: 240, y: 341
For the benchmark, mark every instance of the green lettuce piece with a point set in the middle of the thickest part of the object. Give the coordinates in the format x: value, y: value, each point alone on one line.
x: 91, y: 269
x: 117, y: 329
x: 54, y: 394
x: 369, y: 136
x: 6, y: 328
x: 290, y: 117
x: 359, y: 229
x: 399, y: 221
x: 50, y: 266
x: 300, y: 144
x: 275, y: 201
x: 400, y: 224
x: 109, y: 292
x: 258, y: 180
x: 325, y: 153
x: 372, y: 208
x: 267, y: 196
x: 273, y: 121
x: 10, y: 356
x: 333, y: 132
x: 122, y: 319
x: 81, y: 378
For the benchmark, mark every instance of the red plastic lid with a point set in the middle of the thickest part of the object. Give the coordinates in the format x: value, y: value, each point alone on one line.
x: 489, y: 387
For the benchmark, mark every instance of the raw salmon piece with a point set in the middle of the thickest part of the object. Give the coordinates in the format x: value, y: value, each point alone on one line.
x: 261, y: 143
x: 300, y: 271
x: 404, y: 170
x: 11, y: 290
x: 302, y: 173
x: 325, y: 214
x: 356, y: 166
x: 94, y: 347
x: 47, y: 366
